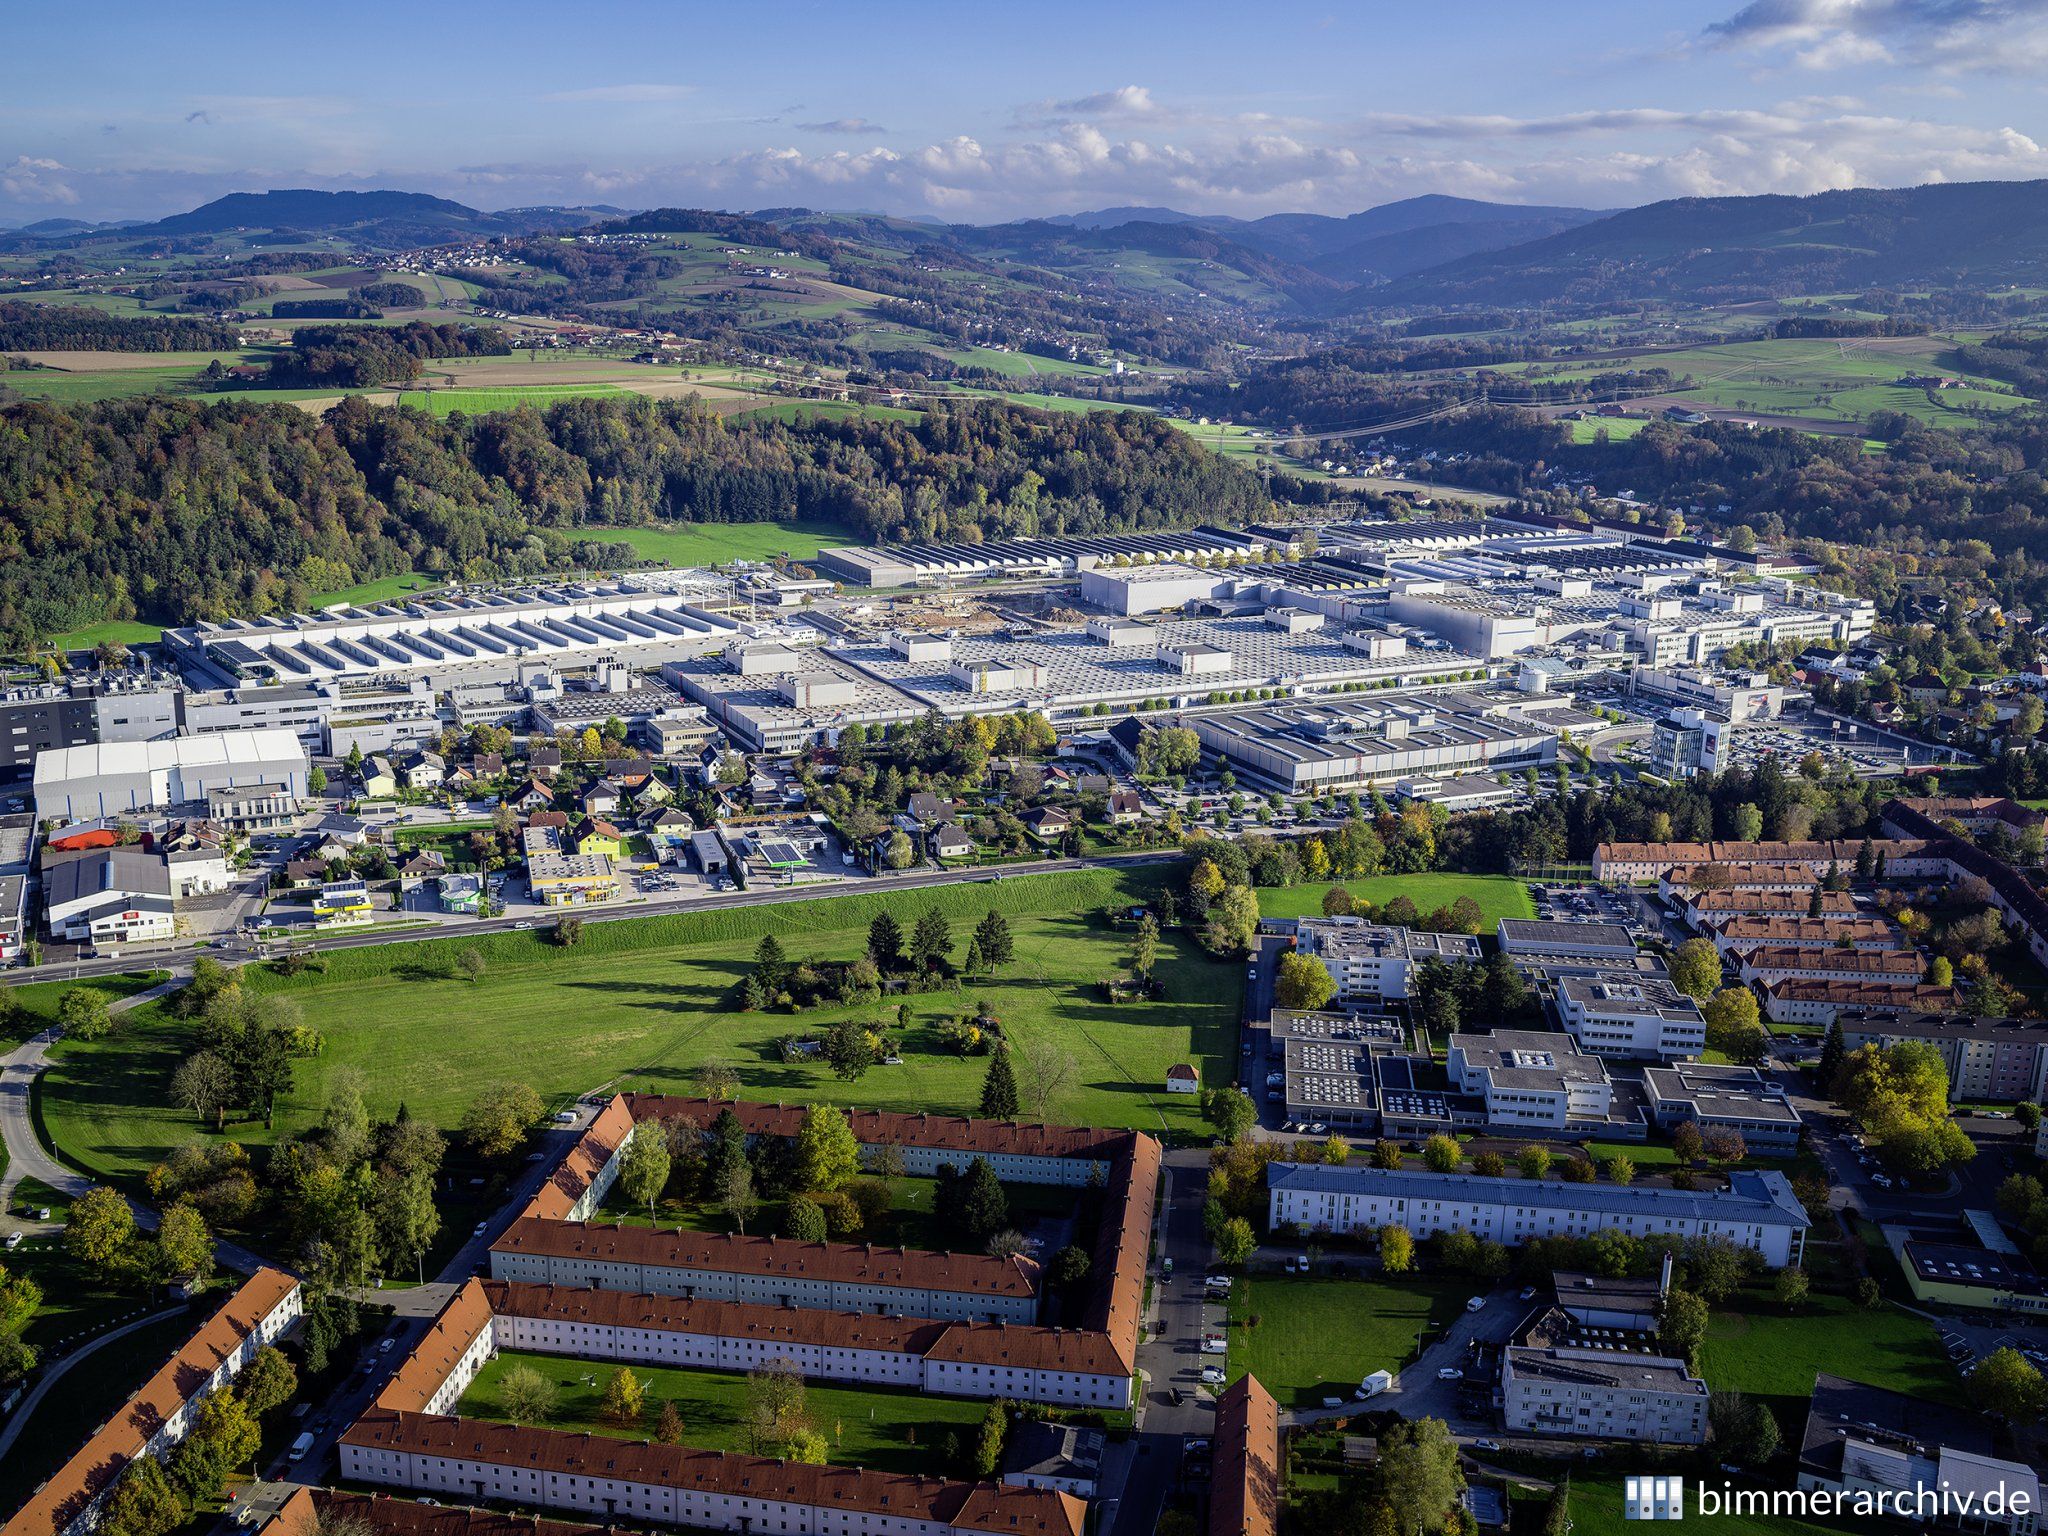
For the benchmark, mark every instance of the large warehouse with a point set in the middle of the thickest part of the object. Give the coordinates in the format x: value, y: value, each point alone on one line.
x: 117, y: 778
x: 470, y: 637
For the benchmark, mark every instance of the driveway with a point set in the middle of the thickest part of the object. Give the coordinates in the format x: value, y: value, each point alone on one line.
x: 1416, y: 1393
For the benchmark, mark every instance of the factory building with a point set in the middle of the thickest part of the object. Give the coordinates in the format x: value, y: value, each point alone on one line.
x: 123, y: 778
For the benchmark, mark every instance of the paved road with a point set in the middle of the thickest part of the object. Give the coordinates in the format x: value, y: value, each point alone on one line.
x: 1170, y: 1358
x: 241, y: 949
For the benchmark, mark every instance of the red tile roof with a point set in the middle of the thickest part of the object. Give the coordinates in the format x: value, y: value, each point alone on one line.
x: 1244, y: 1485
x: 967, y: 1506
x: 433, y: 1359
x: 873, y: 1127
x: 122, y: 1438
x: 388, y: 1516
x: 1897, y: 964
x: 975, y: 1274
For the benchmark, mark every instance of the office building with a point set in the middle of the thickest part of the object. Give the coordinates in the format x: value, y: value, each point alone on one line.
x: 1371, y: 961
x: 1636, y: 1016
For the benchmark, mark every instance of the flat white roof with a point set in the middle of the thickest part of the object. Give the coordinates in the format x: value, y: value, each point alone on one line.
x: 216, y: 749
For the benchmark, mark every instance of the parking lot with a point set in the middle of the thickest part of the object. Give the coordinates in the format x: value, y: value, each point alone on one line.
x: 1567, y: 903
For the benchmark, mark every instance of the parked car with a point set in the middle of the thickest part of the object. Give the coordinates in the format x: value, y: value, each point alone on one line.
x: 1212, y: 1375
x: 1215, y: 1344
x: 1449, y: 1373
x: 1475, y: 1304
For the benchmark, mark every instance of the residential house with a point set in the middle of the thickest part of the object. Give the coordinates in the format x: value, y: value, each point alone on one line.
x: 1183, y: 1078
x: 1125, y: 806
x: 544, y: 762
x: 602, y: 798
x: 304, y: 874
x: 426, y: 771
x: 1049, y: 823
x: 950, y: 841
x: 379, y: 778
x: 928, y: 810
x: 421, y: 864
x: 597, y: 836
x: 531, y: 796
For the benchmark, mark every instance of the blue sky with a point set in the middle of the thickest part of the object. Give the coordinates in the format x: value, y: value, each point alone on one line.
x: 977, y: 112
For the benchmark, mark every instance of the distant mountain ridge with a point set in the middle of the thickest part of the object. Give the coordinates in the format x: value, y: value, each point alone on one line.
x: 386, y: 219
x: 1370, y: 246
x: 1720, y: 249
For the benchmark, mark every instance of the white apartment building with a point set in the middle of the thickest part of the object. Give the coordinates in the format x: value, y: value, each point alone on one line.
x: 988, y: 1360
x: 161, y: 1413
x: 769, y: 1271
x: 1602, y: 1394
x: 1758, y: 1210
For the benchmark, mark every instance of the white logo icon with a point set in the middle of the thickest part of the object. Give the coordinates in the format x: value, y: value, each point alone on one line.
x: 1653, y: 1498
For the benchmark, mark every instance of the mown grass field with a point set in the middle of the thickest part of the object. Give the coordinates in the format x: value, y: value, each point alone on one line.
x: 1498, y: 895
x: 719, y: 543
x: 1319, y: 1338
x: 880, y: 1430
x: 641, y: 1003
x: 478, y: 402
x: 1754, y: 1346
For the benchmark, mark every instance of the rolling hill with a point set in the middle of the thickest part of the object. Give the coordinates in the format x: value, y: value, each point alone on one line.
x: 1727, y: 249
x: 385, y: 220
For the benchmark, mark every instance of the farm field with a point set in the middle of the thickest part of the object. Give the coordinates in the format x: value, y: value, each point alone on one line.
x: 686, y: 544
x: 1498, y: 895
x: 480, y: 401
x: 882, y: 1430
x: 1616, y: 428
x: 1319, y: 1338
x: 1824, y: 380
x: 641, y: 1003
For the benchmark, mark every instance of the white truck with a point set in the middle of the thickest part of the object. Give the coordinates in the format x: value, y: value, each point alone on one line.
x: 1375, y: 1384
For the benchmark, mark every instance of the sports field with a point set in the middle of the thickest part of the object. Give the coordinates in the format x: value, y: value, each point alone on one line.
x: 641, y: 1003
x: 719, y: 543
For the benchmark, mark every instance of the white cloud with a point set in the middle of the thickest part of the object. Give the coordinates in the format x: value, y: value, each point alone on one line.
x: 34, y: 180
x: 1124, y: 104
x: 1953, y: 36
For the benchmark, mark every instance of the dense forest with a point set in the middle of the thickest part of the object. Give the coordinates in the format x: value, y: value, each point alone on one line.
x: 73, y: 328
x: 358, y: 357
x: 175, y: 510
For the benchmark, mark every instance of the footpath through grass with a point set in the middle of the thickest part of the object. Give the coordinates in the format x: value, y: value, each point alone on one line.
x: 84, y: 1400
x: 641, y: 1003
x: 1319, y: 1338
x: 863, y: 1427
x: 1498, y: 896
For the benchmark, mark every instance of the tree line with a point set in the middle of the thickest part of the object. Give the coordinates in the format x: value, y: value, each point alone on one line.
x: 177, y: 510
x: 74, y: 328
